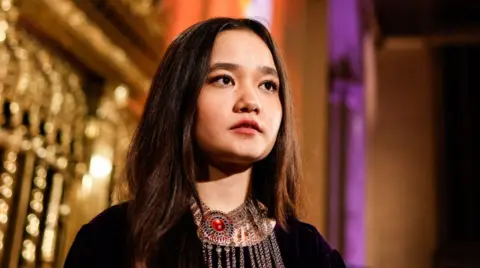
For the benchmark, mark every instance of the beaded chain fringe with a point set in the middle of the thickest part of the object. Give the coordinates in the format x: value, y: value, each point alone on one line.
x: 262, y: 255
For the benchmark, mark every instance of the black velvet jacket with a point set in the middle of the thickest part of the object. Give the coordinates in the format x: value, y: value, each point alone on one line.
x: 103, y: 243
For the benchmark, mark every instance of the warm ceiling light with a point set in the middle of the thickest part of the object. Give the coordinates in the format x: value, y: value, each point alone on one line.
x: 100, y: 166
x: 121, y: 95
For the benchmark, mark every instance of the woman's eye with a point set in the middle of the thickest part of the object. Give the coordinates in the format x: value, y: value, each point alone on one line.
x: 269, y: 85
x: 222, y: 80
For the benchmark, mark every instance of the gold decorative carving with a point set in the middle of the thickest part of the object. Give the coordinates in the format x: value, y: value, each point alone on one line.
x: 42, y: 114
x: 49, y: 137
x: 83, y: 28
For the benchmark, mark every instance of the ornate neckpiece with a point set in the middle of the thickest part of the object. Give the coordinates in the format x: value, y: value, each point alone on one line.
x: 246, y: 228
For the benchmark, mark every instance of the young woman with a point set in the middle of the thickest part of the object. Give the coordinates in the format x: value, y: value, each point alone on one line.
x: 213, y: 168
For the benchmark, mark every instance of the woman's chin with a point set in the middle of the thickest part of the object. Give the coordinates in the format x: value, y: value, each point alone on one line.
x: 240, y: 159
x: 246, y: 155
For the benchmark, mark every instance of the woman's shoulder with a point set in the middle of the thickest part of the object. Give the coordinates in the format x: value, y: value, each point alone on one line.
x: 102, y: 239
x: 303, y: 244
x: 115, y: 214
x: 110, y: 223
x: 306, y: 232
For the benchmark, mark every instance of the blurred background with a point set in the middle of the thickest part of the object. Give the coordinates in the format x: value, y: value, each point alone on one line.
x: 386, y: 93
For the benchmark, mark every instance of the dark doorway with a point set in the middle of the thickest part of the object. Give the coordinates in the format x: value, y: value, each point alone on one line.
x: 459, y: 162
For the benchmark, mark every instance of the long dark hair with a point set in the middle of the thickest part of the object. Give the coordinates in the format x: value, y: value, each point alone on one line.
x: 161, y: 165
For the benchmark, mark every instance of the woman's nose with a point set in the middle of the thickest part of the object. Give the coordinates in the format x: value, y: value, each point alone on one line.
x: 248, y: 101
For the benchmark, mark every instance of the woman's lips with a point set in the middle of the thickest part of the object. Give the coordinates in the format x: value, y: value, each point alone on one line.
x: 247, y: 127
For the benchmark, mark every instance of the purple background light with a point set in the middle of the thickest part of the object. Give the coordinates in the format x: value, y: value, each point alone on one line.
x: 345, y: 43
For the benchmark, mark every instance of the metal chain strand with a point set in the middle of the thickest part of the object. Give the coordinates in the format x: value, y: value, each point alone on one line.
x: 242, y: 257
x: 252, y: 257
x: 262, y: 255
x: 219, y: 257
x: 258, y: 256
x: 204, y: 251
x: 277, y: 256
x: 267, y: 253
x: 227, y: 254
x: 210, y: 261
x: 234, y: 258
x: 270, y: 248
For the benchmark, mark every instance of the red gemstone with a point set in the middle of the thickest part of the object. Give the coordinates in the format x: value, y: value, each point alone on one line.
x: 218, y: 225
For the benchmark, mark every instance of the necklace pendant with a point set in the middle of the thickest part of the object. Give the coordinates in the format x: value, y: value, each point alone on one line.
x: 217, y: 228
x: 218, y: 225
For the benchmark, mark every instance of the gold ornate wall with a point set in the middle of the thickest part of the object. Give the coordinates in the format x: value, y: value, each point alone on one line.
x: 42, y: 146
x: 64, y: 134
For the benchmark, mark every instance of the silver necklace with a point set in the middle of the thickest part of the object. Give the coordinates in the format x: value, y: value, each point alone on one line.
x: 229, y: 235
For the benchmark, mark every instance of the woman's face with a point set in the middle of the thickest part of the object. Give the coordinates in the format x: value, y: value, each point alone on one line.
x: 239, y: 110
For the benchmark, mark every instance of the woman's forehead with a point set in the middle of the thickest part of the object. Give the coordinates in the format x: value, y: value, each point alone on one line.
x: 242, y: 48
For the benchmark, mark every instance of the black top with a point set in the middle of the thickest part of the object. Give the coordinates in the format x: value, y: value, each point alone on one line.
x: 103, y: 243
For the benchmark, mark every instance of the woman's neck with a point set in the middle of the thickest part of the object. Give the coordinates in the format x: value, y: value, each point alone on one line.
x: 224, y: 192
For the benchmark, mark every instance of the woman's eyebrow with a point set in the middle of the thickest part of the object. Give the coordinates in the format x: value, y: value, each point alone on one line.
x: 232, y: 67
